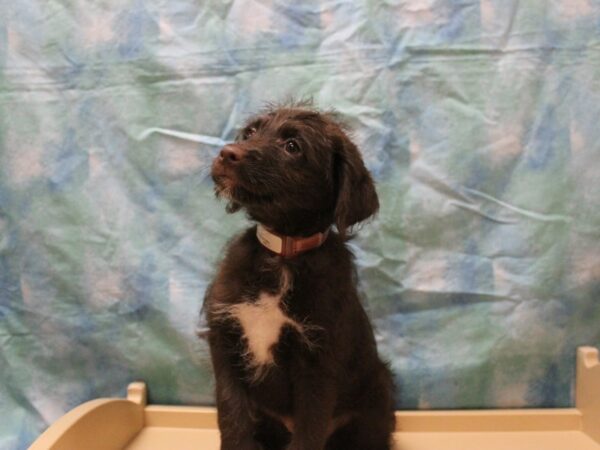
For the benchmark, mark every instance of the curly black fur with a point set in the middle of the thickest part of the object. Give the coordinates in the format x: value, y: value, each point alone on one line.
x: 325, y: 386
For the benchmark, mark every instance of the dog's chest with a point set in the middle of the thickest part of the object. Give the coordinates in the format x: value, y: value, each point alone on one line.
x: 261, y: 322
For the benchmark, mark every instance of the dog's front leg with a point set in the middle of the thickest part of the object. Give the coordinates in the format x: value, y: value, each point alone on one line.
x: 236, y: 425
x: 234, y: 409
x: 314, y: 402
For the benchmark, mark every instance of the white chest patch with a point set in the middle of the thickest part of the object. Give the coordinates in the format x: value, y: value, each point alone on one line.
x: 261, y: 323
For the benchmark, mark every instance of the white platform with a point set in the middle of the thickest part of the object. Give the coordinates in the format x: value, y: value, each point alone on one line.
x: 111, y: 424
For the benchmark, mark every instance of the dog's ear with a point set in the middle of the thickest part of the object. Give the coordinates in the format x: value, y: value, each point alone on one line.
x: 356, y: 196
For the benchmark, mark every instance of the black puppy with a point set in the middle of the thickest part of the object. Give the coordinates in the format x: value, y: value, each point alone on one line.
x: 293, y: 352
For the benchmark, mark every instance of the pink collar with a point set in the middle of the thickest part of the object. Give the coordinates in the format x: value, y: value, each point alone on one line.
x: 289, y: 246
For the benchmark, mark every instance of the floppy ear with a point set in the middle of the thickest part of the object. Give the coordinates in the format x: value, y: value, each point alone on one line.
x: 356, y: 196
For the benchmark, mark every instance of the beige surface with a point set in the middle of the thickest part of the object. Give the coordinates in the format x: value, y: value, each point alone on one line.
x: 153, y: 438
x: 111, y: 424
x: 163, y: 438
x: 97, y: 425
x: 563, y: 440
x: 587, y: 397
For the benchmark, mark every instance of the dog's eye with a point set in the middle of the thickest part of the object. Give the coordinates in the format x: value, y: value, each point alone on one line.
x: 248, y: 133
x: 292, y: 147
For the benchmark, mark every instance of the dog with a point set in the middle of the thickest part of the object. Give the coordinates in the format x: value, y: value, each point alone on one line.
x: 293, y: 352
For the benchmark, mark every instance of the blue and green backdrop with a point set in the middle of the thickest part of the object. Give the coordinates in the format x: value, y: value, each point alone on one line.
x: 478, y: 119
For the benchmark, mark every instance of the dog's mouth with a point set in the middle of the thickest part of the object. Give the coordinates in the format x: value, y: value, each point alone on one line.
x: 223, y: 185
x: 232, y: 187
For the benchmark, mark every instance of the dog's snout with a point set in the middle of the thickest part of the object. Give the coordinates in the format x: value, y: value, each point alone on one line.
x: 232, y: 154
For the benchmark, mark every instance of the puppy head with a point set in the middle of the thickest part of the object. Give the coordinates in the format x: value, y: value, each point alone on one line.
x: 295, y: 170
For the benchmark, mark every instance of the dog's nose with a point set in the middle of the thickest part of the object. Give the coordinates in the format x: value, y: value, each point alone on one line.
x: 232, y: 154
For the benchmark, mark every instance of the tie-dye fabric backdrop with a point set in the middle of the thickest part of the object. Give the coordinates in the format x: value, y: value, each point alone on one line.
x: 480, y: 121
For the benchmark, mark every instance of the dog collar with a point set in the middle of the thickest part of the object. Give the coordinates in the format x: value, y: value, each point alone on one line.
x: 289, y: 246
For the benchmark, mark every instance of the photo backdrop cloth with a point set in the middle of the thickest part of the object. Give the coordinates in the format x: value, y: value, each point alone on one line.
x: 478, y: 119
